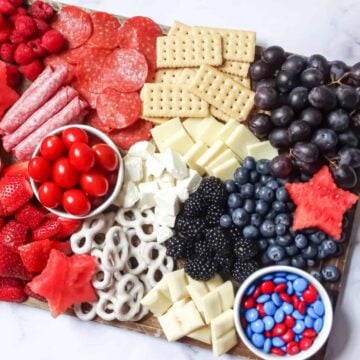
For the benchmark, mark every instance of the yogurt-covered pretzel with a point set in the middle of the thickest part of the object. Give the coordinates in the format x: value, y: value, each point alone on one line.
x: 103, y: 278
x: 105, y: 307
x: 85, y: 311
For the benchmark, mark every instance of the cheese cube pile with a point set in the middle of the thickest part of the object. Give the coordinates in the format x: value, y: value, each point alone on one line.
x: 211, y: 147
x: 159, y: 180
x: 201, y: 310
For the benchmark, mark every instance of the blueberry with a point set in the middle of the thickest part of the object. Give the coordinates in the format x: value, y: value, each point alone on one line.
x: 271, y: 215
x: 264, y: 179
x: 263, y: 244
x: 285, y: 261
x: 267, y: 228
x: 250, y: 232
x: 298, y: 262
x: 241, y: 175
x: 339, y: 250
x: 263, y: 166
x: 272, y: 184
x: 265, y: 260
x: 275, y: 252
x: 249, y: 163
x: 283, y: 219
x: 317, y: 275
x: 254, y: 176
x: 301, y: 241
x: 310, y: 263
x: 261, y: 207
x: 330, y: 273
x: 255, y: 219
x: 279, y: 206
x: 310, y: 252
x: 282, y: 194
x: 280, y: 229
x: 225, y: 221
x: 257, y: 188
x: 291, y: 250
x: 247, y: 191
x: 284, y: 240
x: 234, y: 200
x: 249, y: 205
x: 266, y: 194
x: 230, y: 186
x: 329, y: 246
x: 321, y: 253
x: 290, y: 206
x: 272, y: 241
x: 240, y: 217
x: 317, y: 237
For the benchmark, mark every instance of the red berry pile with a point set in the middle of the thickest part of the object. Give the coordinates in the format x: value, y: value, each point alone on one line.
x: 26, y: 37
x: 75, y: 172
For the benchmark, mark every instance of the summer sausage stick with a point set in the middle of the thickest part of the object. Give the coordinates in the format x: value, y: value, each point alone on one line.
x: 73, y: 109
x: 49, y: 109
x: 42, y: 89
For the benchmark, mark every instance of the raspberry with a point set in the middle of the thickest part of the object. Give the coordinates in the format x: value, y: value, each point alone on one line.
x: 38, y: 49
x: 24, y: 54
x: 6, y: 8
x: 53, y: 41
x: 42, y: 26
x: 32, y: 70
x: 13, y: 76
x: 25, y: 26
x: 41, y: 10
x: 18, y: 12
x: 16, y: 38
x: 5, y: 31
x: 17, y: 3
x: 7, y: 52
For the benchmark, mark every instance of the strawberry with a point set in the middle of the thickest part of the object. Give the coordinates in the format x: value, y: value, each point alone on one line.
x: 18, y: 168
x: 13, y: 234
x: 2, y: 223
x: 30, y: 293
x: 11, y: 264
x: 30, y: 215
x: 68, y: 227
x: 12, y: 290
x: 15, y: 191
x: 48, y: 229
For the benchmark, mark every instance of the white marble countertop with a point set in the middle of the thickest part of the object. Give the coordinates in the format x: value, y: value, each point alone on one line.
x: 329, y: 27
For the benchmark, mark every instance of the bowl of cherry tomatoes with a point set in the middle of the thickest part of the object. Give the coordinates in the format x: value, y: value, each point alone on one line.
x: 76, y: 171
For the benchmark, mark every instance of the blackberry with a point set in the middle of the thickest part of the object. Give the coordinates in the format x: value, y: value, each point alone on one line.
x: 213, y: 214
x: 224, y: 262
x: 243, y: 269
x: 217, y: 240
x: 202, y: 248
x: 176, y: 247
x: 200, y: 269
x: 235, y: 233
x: 194, y: 206
x: 189, y: 227
x: 245, y: 249
x: 213, y: 191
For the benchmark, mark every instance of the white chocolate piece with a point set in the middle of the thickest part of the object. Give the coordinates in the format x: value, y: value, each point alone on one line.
x: 211, y: 306
x: 210, y: 154
x: 157, y: 302
x: 226, y: 155
x: 141, y: 149
x: 163, y: 287
x: 180, y: 142
x: 228, y: 129
x: 214, y: 282
x: 170, y: 326
x: 226, y: 170
x: 262, y: 150
x: 222, y: 324
x: 133, y: 168
x: 162, y: 133
x: 197, y: 293
x: 203, y: 335
x: 192, y: 126
x: 193, y: 154
x: 176, y: 282
x: 226, y: 293
x: 225, y: 343
x: 209, y: 130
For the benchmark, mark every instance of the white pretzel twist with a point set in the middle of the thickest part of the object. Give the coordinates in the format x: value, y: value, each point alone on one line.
x: 135, y: 263
x: 85, y: 311
x: 105, y: 307
x: 102, y: 278
x: 116, y: 249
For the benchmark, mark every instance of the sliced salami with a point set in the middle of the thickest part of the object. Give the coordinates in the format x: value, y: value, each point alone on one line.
x: 125, y: 70
x: 105, y: 30
x: 74, y: 24
x: 139, y: 131
x: 144, y: 26
x: 118, y: 110
x: 93, y: 120
x: 56, y: 60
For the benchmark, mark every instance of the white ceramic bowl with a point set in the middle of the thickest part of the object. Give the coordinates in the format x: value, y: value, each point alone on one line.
x: 328, y: 317
x: 120, y: 177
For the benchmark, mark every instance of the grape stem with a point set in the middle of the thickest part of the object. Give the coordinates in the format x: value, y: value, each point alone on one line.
x: 339, y: 81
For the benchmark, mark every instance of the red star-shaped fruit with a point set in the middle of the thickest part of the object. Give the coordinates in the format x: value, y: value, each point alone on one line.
x: 320, y: 203
x: 65, y: 281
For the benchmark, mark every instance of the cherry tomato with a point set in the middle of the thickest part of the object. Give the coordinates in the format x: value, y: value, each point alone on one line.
x: 39, y: 169
x: 75, y: 202
x: 74, y: 135
x: 64, y: 174
x: 50, y: 194
x: 81, y: 157
x: 52, y: 148
x: 94, y: 183
x: 105, y: 157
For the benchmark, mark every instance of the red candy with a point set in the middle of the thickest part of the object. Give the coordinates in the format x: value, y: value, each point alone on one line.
x: 288, y: 336
x: 277, y: 351
x: 295, y: 301
x: 305, y: 343
x: 289, y: 321
x: 309, y: 333
x: 249, y: 303
x: 268, y: 334
x: 285, y: 297
x: 257, y: 292
x: 302, y: 307
x: 310, y: 294
x: 280, y: 288
x: 292, y: 348
x: 260, y: 310
x: 267, y: 287
x: 279, y: 330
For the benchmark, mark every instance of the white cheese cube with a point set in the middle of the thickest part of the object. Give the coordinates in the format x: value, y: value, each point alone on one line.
x: 163, y: 233
x: 133, y: 168
x: 182, y: 193
x: 166, y: 181
x: 193, y: 154
x: 174, y: 164
x: 167, y: 201
x: 262, y: 150
x: 154, y: 166
x: 147, y: 192
x: 191, y: 183
x: 142, y: 149
x: 209, y: 131
x: 165, y: 219
x: 129, y: 195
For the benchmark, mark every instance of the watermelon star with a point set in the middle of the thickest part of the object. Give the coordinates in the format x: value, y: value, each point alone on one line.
x: 320, y: 203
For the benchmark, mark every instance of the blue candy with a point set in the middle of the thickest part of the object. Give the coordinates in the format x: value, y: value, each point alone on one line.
x: 283, y: 348
x: 276, y: 299
x: 299, y: 327
x: 279, y: 280
x: 267, y: 346
x: 318, y: 308
x: 309, y: 321
x: 300, y: 284
x: 297, y: 338
x: 279, y: 316
x: 249, y: 291
x: 291, y: 277
x: 248, y: 331
x: 278, y: 342
x: 311, y: 312
x: 301, y: 336
x: 268, y: 277
x: 257, y: 326
x: 290, y: 288
x: 281, y: 274
x: 251, y: 315
x: 297, y: 315
x: 263, y: 298
x: 268, y: 322
x: 288, y: 308
x: 269, y: 308
x: 318, y: 324
x: 258, y: 340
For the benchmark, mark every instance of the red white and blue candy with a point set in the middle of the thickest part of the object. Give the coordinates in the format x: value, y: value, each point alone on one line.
x: 282, y: 313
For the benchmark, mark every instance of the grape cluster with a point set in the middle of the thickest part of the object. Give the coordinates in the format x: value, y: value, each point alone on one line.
x: 315, y: 113
x: 260, y: 208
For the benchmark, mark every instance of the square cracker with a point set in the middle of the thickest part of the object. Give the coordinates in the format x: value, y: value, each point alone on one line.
x: 243, y: 81
x: 238, y: 45
x: 220, y: 115
x: 178, y: 29
x: 187, y: 75
x: 236, y: 68
x: 223, y: 92
x: 168, y: 76
x: 170, y: 100
x: 188, y: 51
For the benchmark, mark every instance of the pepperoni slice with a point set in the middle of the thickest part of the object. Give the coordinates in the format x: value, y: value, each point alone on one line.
x: 144, y: 26
x: 125, y: 70
x: 118, y: 110
x: 139, y: 131
x: 93, y: 120
x: 105, y: 30
x: 74, y: 24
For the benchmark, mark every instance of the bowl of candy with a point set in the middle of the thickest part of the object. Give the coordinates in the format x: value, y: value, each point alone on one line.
x: 76, y: 171
x: 283, y: 311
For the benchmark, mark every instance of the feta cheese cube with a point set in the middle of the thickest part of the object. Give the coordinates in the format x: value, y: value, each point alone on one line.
x: 167, y: 201
x: 154, y: 166
x: 133, y: 168
x: 164, y: 219
x: 129, y: 195
x: 142, y: 149
x: 174, y: 164
x: 166, y: 181
x: 163, y: 233
x: 182, y: 193
x: 147, y: 192
x: 191, y: 183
